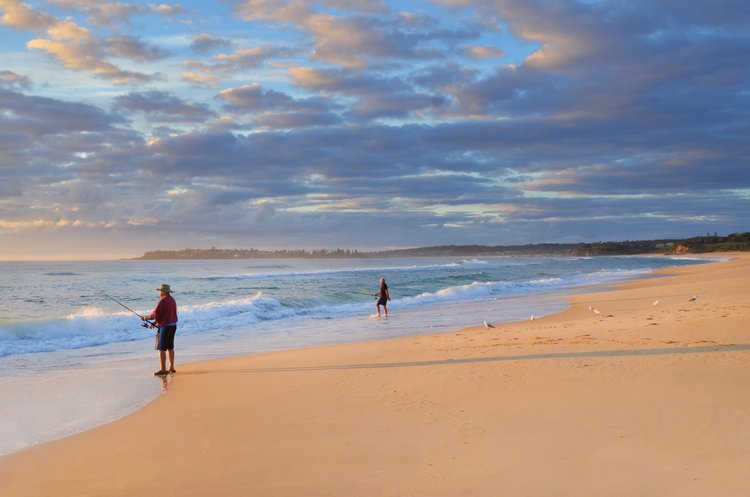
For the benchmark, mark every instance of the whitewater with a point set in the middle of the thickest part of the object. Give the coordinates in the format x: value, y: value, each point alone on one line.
x: 71, y: 358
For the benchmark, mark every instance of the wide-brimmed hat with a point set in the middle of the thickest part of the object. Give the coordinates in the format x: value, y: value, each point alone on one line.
x: 164, y: 288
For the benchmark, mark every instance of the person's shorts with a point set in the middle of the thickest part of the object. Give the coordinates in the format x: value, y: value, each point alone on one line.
x: 382, y: 301
x: 166, y: 337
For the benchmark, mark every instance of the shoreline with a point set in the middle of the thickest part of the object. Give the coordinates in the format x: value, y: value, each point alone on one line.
x: 132, y: 366
x: 365, y: 372
x: 28, y: 423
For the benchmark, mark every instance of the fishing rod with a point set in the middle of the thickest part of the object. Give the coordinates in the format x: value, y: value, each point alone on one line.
x: 364, y: 292
x: 146, y: 323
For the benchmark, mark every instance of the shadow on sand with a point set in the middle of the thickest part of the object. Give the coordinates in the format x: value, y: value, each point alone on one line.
x: 469, y: 360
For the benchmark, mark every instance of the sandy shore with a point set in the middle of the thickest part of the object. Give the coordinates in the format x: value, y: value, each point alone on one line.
x: 640, y: 399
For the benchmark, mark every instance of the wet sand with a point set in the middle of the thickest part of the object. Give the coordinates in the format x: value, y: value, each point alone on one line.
x: 642, y: 398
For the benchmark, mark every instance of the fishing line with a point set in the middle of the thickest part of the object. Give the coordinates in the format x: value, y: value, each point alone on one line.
x: 150, y: 324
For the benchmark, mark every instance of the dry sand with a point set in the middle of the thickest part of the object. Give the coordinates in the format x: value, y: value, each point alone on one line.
x: 638, y: 400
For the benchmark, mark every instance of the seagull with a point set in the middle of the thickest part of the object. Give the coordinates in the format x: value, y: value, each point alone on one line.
x: 655, y: 302
x: 487, y: 324
x: 693, y: 298
x: 532, y: 318
x: 597, y: 311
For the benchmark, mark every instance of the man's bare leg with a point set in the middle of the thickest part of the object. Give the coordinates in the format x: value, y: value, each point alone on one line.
x: 171, y: 361
x: 163, y: 360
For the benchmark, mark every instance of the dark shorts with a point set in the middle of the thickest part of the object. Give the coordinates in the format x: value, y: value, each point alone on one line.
x: 166, y: 337
x: 382, y: 301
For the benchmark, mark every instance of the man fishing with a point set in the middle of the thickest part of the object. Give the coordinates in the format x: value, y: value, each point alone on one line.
x: 165, y: 318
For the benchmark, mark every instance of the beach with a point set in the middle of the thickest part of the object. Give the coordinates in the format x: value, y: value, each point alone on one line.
x: 639, y: 390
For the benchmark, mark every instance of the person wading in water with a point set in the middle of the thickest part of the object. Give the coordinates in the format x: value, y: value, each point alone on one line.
x: 165, y: 316
x: 383, y: 297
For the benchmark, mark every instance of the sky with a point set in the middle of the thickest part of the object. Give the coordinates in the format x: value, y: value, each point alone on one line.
x: 369, y: 124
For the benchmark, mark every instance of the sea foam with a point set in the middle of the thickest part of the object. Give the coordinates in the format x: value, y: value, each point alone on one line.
x: 93, y: 326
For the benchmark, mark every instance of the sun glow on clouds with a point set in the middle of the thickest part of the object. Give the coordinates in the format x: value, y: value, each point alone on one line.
x: 301, y: 122
x: 36, y: 224
x: 177, y: 191
x: 143, y: 221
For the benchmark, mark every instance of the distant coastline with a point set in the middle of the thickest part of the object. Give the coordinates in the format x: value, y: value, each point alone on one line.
x: 700, y: 244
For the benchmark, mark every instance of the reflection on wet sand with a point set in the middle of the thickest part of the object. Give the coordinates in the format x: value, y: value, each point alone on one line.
x: 165, y: 381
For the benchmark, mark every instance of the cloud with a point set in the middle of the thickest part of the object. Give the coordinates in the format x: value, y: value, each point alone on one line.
x: 254, y: 97
x: 200, y: 79
x: 273, y: 10
x: 205, y: 42
x: 76, y: 49
x: 160, y: 106
x: 108, y: 13
x: 74, y: 45
x: 49, y: 144
x: 275, y: 110
x: 491, y: 150
x: 357, y: 5
x: 628, y: 118
x: 377, y: 96
x: 484, y: 52
x: 698, y: 170
x: 335, y: 177
x: 248, y: 58
x: 629, y: 63
x: 328, y: 152
x: 166, y: 10
x: 352, y: 40
x: 133, y: 48
x: 9, y: 79
x: 101, y: 13
x: 48, y: 116
x: 296, y: 119
x: 226, y: 64
x: 20, y: 15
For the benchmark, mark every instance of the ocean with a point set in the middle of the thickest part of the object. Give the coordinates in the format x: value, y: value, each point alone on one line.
x: 71, y: 358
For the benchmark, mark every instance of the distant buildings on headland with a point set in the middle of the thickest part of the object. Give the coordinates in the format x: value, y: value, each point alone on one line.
x: 700, y: 244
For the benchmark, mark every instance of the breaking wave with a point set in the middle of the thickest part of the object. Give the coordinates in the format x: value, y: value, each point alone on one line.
x: 93, y: 326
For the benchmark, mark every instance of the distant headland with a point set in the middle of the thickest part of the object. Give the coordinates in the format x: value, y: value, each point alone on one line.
x: 698, y: 244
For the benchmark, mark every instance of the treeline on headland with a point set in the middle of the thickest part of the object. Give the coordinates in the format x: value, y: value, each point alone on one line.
x: 699, y: 244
